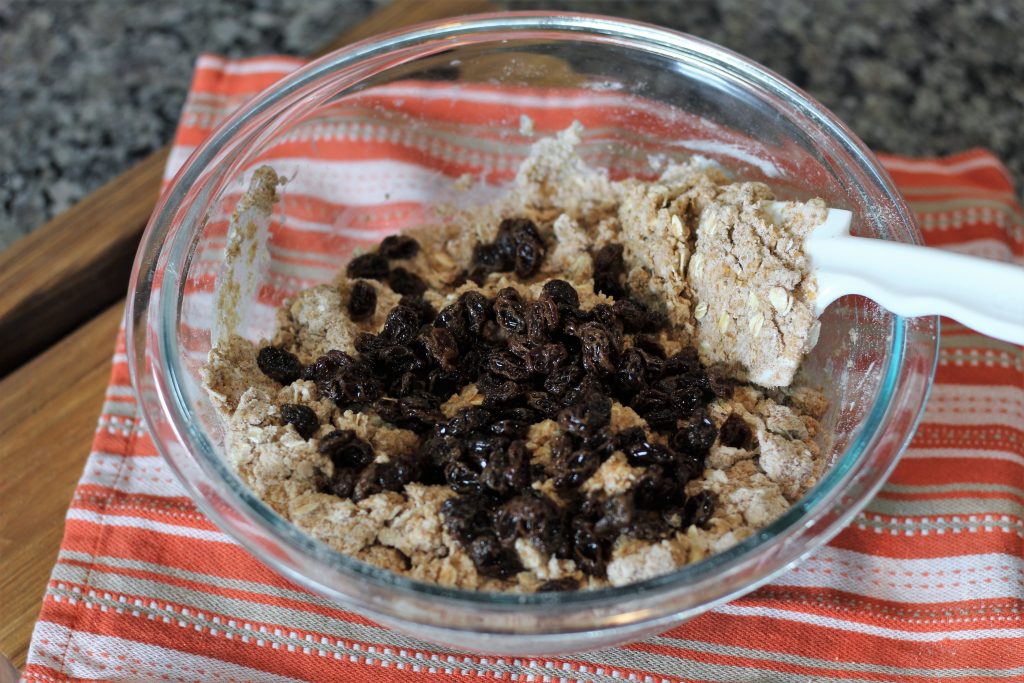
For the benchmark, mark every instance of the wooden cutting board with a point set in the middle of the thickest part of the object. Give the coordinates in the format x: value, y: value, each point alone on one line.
x: 61, y: 299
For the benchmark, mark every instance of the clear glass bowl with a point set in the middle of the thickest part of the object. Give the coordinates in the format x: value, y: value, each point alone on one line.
x: 653, y: 94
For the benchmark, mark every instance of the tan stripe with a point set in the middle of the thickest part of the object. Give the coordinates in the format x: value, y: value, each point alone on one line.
x: 945, y: 508
x: 969, y: 203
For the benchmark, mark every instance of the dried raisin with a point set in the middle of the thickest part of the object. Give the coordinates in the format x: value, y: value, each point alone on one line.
x: 279, y: 365
x: 302, y: 418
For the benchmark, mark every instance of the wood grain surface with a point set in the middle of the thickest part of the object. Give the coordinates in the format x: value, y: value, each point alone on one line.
x: 48, y: 411
x: 67, y: 271
x: 61, y: 300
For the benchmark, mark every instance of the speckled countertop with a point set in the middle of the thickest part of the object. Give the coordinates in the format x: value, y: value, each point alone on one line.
x: 90, y: 86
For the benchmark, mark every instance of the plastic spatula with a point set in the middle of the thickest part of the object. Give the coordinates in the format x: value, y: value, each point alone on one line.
x: 985, y: 295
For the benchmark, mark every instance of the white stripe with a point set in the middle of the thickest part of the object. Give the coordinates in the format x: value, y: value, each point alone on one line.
x: 258, y: 66
x: 176, y: 159
x: 928, y: 166
x: 145, y: 475
x: 962, y: 405
x: 945, y: 579
x: 360, y: 183
x: 90, y: 663
x: 82, y: 515
x: 871, y: 630
x: 978, y: 454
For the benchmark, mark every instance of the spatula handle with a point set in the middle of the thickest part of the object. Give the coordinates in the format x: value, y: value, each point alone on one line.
x: 985, y: 295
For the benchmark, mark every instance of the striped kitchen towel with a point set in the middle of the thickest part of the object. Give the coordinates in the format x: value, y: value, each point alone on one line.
x: 927, y: 583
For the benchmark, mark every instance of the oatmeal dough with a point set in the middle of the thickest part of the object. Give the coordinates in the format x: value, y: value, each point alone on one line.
x: 705, y: 292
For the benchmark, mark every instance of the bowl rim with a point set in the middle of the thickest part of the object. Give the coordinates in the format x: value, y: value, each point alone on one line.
x: 805, y: 512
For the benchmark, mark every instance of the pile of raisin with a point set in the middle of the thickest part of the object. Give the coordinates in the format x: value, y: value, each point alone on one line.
x: 531, y: 360
x: 517, y: 248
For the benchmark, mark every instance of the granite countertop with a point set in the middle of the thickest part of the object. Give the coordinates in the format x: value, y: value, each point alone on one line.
x: 88, y: 88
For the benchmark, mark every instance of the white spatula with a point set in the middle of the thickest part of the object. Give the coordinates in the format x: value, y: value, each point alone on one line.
x: 985, y: 295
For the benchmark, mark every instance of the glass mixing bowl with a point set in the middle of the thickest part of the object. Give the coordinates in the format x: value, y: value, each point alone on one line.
x: 645, y: 95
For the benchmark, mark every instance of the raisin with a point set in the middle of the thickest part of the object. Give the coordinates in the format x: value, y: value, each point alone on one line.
x: 686, y: 398
x: 735, y: 432
x: 498, y: 391
x: 522, y: 414
x: 466, y: 517
x: 700, y: 508
x: 388, y: 410
x: 687, y: 465
x: 563, y: 294
x: 587, y: 386
x: 509, y: 428
x: 507, y: 471
x: 550, y: 313
x: 609, y: 271
x: 509, y: 311
x: 566, y: 583
x: 644, y: 453
x: 367, y: 343
x: 441, y: 344
x: 396, y: 359
x: 486, y: 259
x: 440, y: 449
x: 480, y: 450
x: 343, y: 483
x: 302, y: 418
x: 475, y: 308
x: 700, y: 434
x: 398, y: 247
x: 617, y: 516
x: 585, y: 418
x: 628, y: 438
x: 345, y: 449
x: 650, y: 399
x: 467, y: 421
x: 589, y: 552
x: 444, y: 383
x: 419, y: 413
x: 655, y: 490
x: 453, y: 319
x: 519, y: 345
x: 719, y: 383
x: 408, y: 383
x: 537, y: 322
x: 634, y: 315
x: 519, y: 239
x: 543, y: 403
x: 401, y: 281
x: 545, y: 359
x: 530, y: 516
x: 686, y: 362
x: 631, y: 375
x: 368, y: 266
x: 571, y: 471
x: 386, y: 476
x: 362, y: 301
x: 401, y: 325
x: 598, y: 352
x: 491, y: 559
x: 505, y: 364
x: 561, y: 379
x: 461, y: 478
x: 422, y: 307
x: 650, y: 345
x: 662, y: 419
x: 279, y: 365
